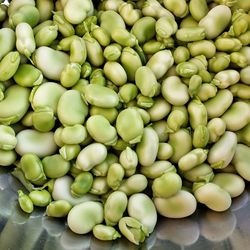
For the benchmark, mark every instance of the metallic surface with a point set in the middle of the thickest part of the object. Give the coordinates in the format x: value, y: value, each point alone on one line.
x: 205, y: 230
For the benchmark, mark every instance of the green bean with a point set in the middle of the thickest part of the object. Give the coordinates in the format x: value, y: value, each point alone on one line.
x: 215, y: 21
x: 216, y: 128
x: 25, y: 14
x: 16, y: 4
x: 222, y: 152
x: 115, y: 73
x: 129, y: 14
x: 144, y: 29
x: 100, y: 34
x: 115, y: 175
x: 157, y: 169
x: 7, y: 157
x: 14, y: 105
x: 174, y: 91
x: 25, y: 202
x: 213, y: 196
x: 28, y: 76
x: 228, y: 44
x: 45, y: 9
x: 129, y: 125
x: 165, y: 27
x: 142, y: 208
x: 206, y: 91
x: 153, y: 46
x: 181, y: 54
x: 85, y: 26
x: 225, y: 78
x: 154, y: 9
x: 100, y: 130
x: 112, y: 52
x: 99, y: 186
x: 133, y: 230
x: 243, y: 135
x: 180, y: 137
x: 69, y: 151
x: 40, y: 198
x: 241, y: 161
x: 198, y: 9
x: 70, y: 75
x: 194, y: 85
x: 58, y: 208
x: 218, y: 105
x: 61, y: 191
x: 188, y: 22
x: 198, y: 113
x: 176, y: 119
x: 82, y: 184
x: 55, y: 166
x: 146, y: 81
x: 240, y: 112
x: 9, y: 65
x: 101, y: 96
x: 109, y: 113
x: 6, y: 34
x: 41, y: 26
x: 146, y: 102
x: 51, y: 62
x: 200, y: 136
x: 129, y: 55
x: 83, y: 217
x: 160, y: 63
x: 32, y: 141
x: 64, y: 27
x: 3, y: 12
x: 192, y: 159
x: 103, y: 232
x: 32, y: 168
x: 128, y: 92
x: 147, y: 148
x: 109, y: 20
x: 88, y: 157
x: 165, y: 151
x: 232, y: 183
x: 200, y: 173
x: 238, y: 59
x: 244, y: 75
x: 128, y: 159
x: 190, y: 34
x: 204, y: 47
x: 8, y: 140
x: 178, y: 8
x: 103, y: 168
x: 166, y: 185
x: 114, y: 207
x: 183, y: 200
x: 219, y: 62
x: 159, y: 110
x: 97, y: 77
x: 75, y: 12
x: 123, y: 37
x: 133, y: 184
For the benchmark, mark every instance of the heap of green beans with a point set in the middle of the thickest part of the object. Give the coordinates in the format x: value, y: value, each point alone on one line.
x: 115, y: 112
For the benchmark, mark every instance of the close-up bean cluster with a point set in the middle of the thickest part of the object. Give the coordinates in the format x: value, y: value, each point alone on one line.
x: 114, y: 114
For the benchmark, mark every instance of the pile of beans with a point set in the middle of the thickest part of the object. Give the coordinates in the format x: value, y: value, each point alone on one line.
x: 115, y: 112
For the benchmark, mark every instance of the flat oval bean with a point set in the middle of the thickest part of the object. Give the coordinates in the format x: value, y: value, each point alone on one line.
x: 51, y: 62
x: 157, y: 169
x: 15, y: 104
x: 142, y: 208
x: 58, y: 208
x: 129, y: 125
x: 217, y: 105
x: 241, y: 161
x: 183, y: 200
x: 237, y: 116
x: 101, y: 96
x: 32, y: 141
x: 222, y: 152
x: 6, y: 34
x: 212, y: 22
x: 232, y: 183
x: 88, y: 157
x: 71, y: 108
x: 147, y: 148
x: 213, y: 196
x: 83, y: 217
x: 174, y: 91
